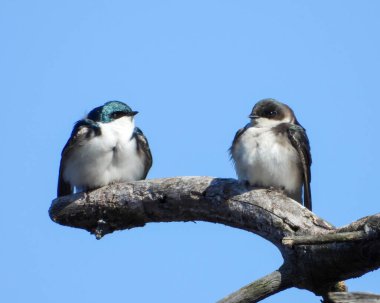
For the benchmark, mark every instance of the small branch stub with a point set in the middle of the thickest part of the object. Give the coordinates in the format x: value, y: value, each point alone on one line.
x: 101, y: 230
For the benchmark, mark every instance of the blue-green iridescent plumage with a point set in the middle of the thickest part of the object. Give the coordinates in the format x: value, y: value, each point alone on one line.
x: 104, y: 113
x: 92, y: 127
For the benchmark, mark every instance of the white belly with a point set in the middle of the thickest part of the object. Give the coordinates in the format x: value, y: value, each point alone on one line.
x: 110, y: 157
x: 264, y: 159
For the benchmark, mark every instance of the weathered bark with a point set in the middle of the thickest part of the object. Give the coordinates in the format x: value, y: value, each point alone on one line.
x: 262, y: 288
x: 353, y: 297
x: 316, y: 254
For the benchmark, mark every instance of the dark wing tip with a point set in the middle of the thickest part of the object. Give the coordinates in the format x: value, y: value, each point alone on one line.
x: 64, y: 188
x: 298, y: 138
x: 236, y: 138
x: 307, y: 197
x: 143, y: 147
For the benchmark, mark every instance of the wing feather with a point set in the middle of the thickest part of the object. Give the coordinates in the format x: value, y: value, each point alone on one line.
x: 82, y: 130
x: 236, y: 138
x: 298, y: 138
x: 144, y: 149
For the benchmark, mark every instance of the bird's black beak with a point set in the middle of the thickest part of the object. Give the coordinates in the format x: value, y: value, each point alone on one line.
x: 253, y: 116
x: 133, y: 113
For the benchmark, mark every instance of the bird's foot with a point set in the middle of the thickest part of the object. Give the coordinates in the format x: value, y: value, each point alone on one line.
x: 280, y: 189
x: 244, y: 182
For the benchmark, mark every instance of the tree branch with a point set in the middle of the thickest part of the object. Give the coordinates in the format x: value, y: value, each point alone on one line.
x: 353, y: 297
x: 226, y: 201
x: 260, y: 289
x: 316, y: 254
x: 326, y: 238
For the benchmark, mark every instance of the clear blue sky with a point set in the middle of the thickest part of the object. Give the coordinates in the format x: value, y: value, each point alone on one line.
x: 193, y: 69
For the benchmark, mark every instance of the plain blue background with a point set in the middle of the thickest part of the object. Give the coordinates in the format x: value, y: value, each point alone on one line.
x: 193, y: 69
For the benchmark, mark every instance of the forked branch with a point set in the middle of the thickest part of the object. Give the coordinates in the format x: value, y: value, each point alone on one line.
x: 316, y: 254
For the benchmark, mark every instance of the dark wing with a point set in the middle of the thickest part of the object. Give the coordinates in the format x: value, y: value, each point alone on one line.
x: 83, y: 129
x: 298, y: 138
x: 236, y: 138
x: 143, y: 148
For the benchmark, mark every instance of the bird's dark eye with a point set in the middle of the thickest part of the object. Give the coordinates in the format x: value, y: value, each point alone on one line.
x: 117, y: 115
x: 272, y: 113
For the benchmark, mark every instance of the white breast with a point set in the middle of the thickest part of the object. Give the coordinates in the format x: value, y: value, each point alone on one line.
x: 110, y: 157
x: 266, y: 159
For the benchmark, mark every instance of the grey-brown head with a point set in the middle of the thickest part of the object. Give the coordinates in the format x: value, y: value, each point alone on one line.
x: 270, y: 112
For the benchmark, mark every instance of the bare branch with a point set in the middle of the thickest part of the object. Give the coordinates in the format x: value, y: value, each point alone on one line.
x: 260, y: 289
x: 326, y: 238
x: 353, y: 297
x: 316, y: 254
x: 267, y: 213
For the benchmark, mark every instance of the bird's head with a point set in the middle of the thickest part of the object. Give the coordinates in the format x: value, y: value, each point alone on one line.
x: 111, y: 111
x: 270, y: 112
